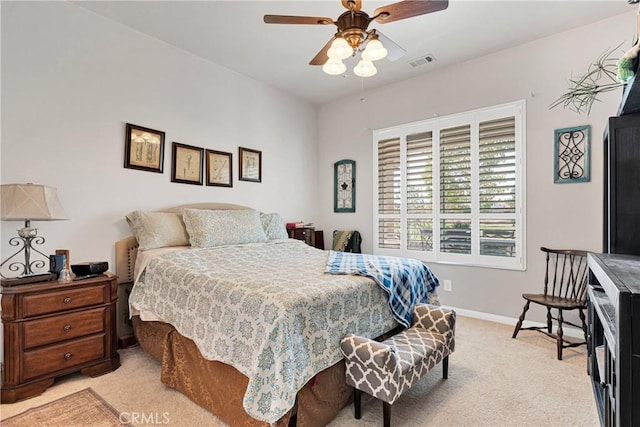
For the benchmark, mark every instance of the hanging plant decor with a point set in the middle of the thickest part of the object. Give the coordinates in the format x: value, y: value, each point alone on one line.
x: 601, y: 77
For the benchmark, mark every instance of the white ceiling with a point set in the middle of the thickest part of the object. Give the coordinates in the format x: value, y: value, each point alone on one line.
x: 232, y: 34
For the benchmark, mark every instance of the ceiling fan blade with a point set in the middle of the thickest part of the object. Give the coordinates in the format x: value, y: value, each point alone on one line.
x: 357, y: 4
x: 394, y: 50
x: 306, y: 20
x: 407, y: 9
x: 322, y: 56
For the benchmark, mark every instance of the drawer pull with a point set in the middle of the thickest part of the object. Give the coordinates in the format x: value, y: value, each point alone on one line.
x: 67, y: 356
x: 67, y: 300
x: 66, y: 328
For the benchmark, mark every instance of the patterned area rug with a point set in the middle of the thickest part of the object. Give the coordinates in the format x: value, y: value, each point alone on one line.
x: 82, y: 408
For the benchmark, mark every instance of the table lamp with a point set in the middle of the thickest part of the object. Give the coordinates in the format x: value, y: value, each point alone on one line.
x: 27, y: 202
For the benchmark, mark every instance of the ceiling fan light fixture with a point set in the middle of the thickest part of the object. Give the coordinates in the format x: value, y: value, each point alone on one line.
x: 334, y: 67
x: 340, y: 49
x: 374, y: 51
x: 365, y: 69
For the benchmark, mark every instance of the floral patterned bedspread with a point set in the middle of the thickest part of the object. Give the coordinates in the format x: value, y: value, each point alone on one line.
x: 267, y: 309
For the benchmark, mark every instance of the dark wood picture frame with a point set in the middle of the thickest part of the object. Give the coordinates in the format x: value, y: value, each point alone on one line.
x: 186, y: 164
x: 250, y: 165
x: 143, y: 148
x: 219, y: 168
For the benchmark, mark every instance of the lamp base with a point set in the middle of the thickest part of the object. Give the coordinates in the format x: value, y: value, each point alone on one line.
x: 31, y: 278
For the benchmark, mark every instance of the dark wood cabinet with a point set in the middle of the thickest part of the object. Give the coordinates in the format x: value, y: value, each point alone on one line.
x: 613, y: 337
x: 309, y: 235
x: 56, y: 328
x: 622, y: 185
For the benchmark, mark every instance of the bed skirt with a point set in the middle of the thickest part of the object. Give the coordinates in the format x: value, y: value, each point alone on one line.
x: 220, y: 388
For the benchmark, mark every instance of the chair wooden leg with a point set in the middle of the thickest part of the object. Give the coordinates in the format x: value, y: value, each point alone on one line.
x: 445, y: 367
x: 521, y: 319
x: 549, y: 321
x: 560, y: 334
x: 386, y: 414
x: 584, y: 324
x: 357, y: 399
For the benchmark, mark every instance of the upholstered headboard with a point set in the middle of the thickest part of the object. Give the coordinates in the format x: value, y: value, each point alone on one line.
x: 127, y: 249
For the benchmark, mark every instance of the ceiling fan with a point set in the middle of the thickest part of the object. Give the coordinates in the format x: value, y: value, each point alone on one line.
x: 353, y: 37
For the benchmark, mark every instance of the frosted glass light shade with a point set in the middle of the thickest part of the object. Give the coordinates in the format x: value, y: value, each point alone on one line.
x: 374, y: 51
x: 365, y: 69
x: 334, y: 67
x: 340, y: 49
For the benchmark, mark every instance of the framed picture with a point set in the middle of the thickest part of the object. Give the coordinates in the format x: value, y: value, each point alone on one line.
x: 219, y: 168
x: 571, y: 155
x: 344, y: 186
x: 187, y: 164
x: 143, y: 148
x: 250, y: 165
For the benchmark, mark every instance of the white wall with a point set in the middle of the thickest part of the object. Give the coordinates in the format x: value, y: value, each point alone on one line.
x: 566, y: 216
x: 72, y: 79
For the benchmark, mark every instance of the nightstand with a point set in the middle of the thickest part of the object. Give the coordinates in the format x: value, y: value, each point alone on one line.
x: 309, y: 235
x: 53, y: 329
x: 306, y: 234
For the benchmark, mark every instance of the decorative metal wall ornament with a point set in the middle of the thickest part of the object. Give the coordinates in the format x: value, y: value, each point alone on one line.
x: 571, y: 155
x: 344, y: 186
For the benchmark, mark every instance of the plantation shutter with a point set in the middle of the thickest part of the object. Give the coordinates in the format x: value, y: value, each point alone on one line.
x: 451, y: 189
x: 419, y: 191
x: 419, y: 173
x: 389, y: 194
x: 498, y: 166
x: 497, y: 186
x: 455, y: 169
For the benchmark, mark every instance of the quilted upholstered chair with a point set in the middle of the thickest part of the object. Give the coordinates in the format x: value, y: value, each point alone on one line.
x: 385, y: 370
x: 565, y: 288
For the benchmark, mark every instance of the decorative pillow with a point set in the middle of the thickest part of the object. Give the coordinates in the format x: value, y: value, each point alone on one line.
x: 273, y: 226
x: 157, y: 229
x: 209, y: 228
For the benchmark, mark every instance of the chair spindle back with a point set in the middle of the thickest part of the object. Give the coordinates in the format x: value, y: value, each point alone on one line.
x: 567, y: 270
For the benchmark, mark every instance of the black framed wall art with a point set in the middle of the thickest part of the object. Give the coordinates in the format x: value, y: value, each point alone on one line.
x: 250, y: 165
x: 219, y: 168
x: 344, y: 186
x: 143, y: 148
x: 187, y: 164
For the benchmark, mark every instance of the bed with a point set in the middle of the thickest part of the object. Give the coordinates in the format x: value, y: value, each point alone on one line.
x: 249, y: 330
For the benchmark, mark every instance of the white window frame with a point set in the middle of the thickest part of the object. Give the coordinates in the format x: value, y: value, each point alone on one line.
x: 473, y: 118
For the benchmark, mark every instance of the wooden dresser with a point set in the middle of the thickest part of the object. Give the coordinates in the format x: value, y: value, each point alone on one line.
x: 56, y: 328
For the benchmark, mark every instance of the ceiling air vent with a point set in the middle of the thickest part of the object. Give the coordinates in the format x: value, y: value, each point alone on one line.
x: 426, y: 59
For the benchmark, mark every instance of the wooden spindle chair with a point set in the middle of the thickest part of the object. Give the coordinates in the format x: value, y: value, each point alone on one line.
x: 565, y: 288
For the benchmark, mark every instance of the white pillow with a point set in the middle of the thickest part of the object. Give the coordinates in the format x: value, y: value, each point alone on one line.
x: 207, y: 228
x: 157, y: 229
x: 273, y: 226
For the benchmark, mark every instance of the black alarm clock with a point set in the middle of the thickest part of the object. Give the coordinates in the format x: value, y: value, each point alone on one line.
x: 89, y: 269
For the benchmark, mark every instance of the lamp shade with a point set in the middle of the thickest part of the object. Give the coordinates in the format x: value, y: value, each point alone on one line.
x: 30, y: 202
x: 334, y: 67
x: 374, y: 51
x: 340, y: 49
x: 365, y: 69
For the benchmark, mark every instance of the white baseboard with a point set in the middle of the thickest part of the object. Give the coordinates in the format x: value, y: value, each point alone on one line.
x: 568, y: 330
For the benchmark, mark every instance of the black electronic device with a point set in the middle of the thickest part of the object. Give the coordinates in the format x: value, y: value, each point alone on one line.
x: 92, y: 268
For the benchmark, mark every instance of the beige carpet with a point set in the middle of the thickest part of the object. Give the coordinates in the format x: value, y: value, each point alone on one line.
x: 79, y: 409
x: 493, y: 381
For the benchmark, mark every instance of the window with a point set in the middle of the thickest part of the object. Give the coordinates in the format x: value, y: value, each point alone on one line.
x: 451, y: 189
